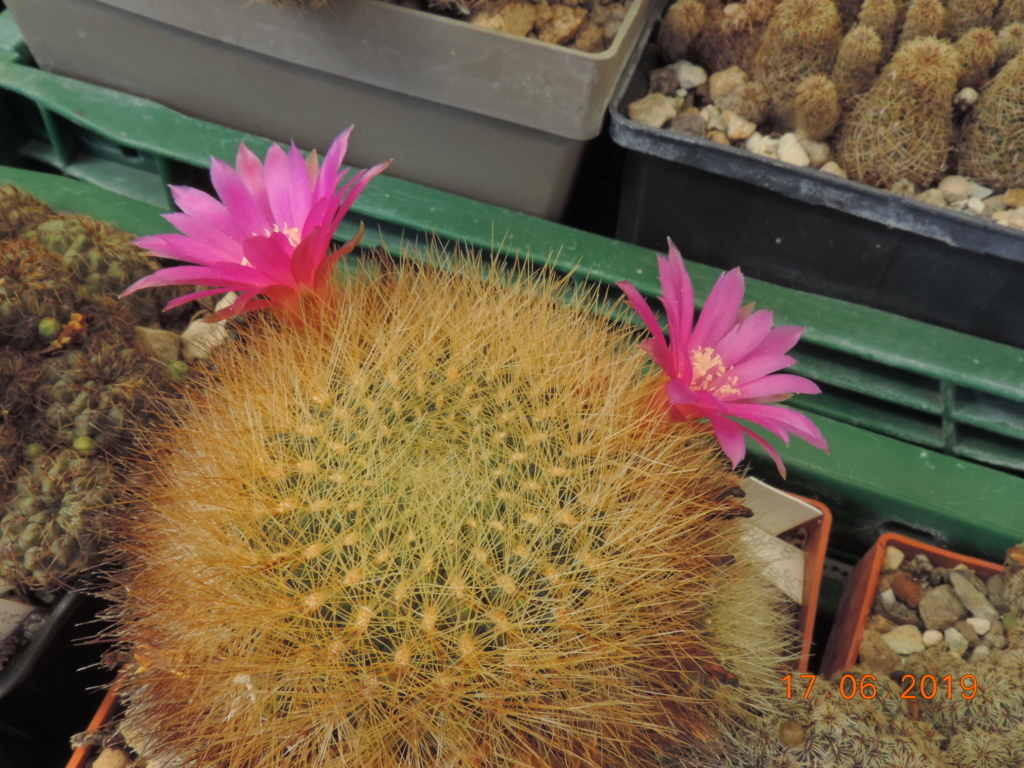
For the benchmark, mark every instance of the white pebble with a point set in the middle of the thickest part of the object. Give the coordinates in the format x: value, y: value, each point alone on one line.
x: 980, y: 652
x: 715, y: 121
x: 689, y: 75
x: 835, y: 169
x: 791, y: 151
x: 955, y: 188
x: 753, y: 142
x: 975, y: 205
x: 981, y: 192
x: 979, y: 625
x: 931, y: 637
x: 957, y: 643
x: 905, y: 639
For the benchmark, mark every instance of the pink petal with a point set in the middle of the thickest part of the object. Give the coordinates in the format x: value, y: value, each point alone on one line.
x: 208, y: 233
x: 187, y: 276
x: 780, y: 421
x: 250, y: 170
x: 287, y: 187
x: 731, y: 437
x: 720, y: 310
x: 779, y: 384
x: 677, y: 298
x: 754, y: 368
x: 780, y: 340
x: 327, y: 182
x: 744, y: 338
x: 246, y: 213
x: 179, y: 247
x: 357, y: 184
x: 656, y: 346
x: 195, y: 202
x: 189, y: 297
x: 270, y: 256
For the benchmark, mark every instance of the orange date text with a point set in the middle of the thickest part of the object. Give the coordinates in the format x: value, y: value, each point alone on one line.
x: 864, y: 686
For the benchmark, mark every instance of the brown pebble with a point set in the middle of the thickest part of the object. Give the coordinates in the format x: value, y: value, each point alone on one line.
x: 1014, y: 198
x: 719, y: 138
x: 879, y: 623
x: 661, y: 80
x: 906, y: 589
x: 563, y: 25
x: 688, y: 124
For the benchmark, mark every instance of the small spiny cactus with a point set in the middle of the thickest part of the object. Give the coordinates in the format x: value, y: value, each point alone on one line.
x: 1009, y: 43
x: 902, y: 127
x: 1009, y: 12
x: 802, y: 39
x: 992, y: 149
x: 817, y: 107
x: 860, y: 54
x: 880, y: 15
x: 680, y: 28
x: 962, y: 15
x: 977, y: 49
x: 444, y: 522
x: 925, y: 18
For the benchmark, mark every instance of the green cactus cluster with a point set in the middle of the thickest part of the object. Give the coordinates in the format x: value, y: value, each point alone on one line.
x: 51, y: 525
x: 72, y: 384
x: 890, y: 119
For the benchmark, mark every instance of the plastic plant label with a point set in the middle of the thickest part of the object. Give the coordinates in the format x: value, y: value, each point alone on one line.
x: 12, y: 613
x: 776, y: 512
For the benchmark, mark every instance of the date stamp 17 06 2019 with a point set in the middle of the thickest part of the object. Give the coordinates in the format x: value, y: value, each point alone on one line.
x: 863, y: 686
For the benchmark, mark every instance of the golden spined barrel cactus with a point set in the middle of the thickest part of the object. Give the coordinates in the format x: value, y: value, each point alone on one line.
x: 802, y: 39
x: 680, y: 27
x: 1009, y: 43
x: 817, y: 107
x: 880, y: 15
x: 977, y: 49
x: 992, y: 148
x: 445, y: 522
x: 902, y: 127
x: 1009, y: 12
x: 962, y: 15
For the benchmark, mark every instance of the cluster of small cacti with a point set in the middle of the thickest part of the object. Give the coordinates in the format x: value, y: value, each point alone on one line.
x: 443, y: 522
x: 877, y: 77
x: 71, y: 381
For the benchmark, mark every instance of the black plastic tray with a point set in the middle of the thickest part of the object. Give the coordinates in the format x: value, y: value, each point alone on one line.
x: 804, y: 229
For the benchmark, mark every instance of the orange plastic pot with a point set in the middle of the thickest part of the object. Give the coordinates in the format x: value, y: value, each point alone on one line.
x: 843, y: 645
x: 817, y: 531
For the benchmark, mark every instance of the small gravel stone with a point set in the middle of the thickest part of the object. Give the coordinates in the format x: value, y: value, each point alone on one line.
x: 818, y: 152
x: 972, y: 599
x: 920, y: 565
x: 879, y: 623
x: 739, y: 128
x: 654, y: 109
x: 931, y: 637
x: 969, y: 633
x: 996, y: 590
x: 562, y: 24
x: 940, y: 608
x: 689, y: 75
x: 768, y: 147
x: 157, y: 344
x: 994, y: 205
x: 691, y: 124
x: 974, y: 205
x: 996, y: 637
x: 905, y: 639
x: 980, y: 191
x: 955, y: 188
x: 714, y: 118
x: 955, y: 641
x: 876, y: 653
x: 790, y: 151
x: 965, y: 98
x: 933, y: 196
x: 112, y: 757
x: 1014, y: 197
x: 723, y: 85
x: 662, y: 80
x: 979, y: 625
x: 906, y: 589
x: 834, y: 169
x: 719, y: 138
x: 1012, y: 217
x: 980, y: 652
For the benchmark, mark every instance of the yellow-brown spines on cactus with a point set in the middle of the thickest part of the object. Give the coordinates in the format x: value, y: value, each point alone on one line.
x: 992, y: 148
x: 925, y: 18
x: 1009, y: 12
x: 680, y: 28
x: 860, y: 54
x: 880, y: 15
x: 445, y: 523
x: 901, y: 128
x: 19, y: 211
x: 816, y: 105
x: 962, y: 15
x: 802, y: 39
x: 977, y: 49
x: 1009, y: 43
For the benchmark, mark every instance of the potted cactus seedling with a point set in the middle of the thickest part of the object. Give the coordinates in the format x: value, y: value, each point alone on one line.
x: 465, y: 108
x: 438, y: 509
x: 891, y: 132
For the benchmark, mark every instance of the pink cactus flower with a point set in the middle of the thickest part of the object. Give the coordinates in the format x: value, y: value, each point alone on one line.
x: 268, y: 236
x: 723, y: 369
